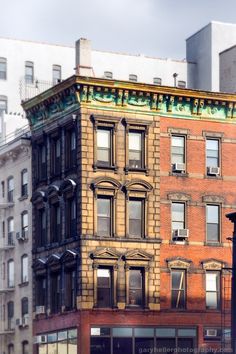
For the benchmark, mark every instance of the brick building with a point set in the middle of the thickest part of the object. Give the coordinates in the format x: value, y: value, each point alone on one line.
x: 131, y: 183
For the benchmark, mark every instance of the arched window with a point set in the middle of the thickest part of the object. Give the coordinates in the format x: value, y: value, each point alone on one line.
x: 10, y: 274
x: 10, y: 315
x: 24, y: 307
x: 10, y: 231
x: 24, y: 225
x: 24, y: 269
x: 25, y: 347
x: 10, y: 189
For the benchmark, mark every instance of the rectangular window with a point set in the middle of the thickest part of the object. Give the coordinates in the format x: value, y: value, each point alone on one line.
x: 133, y: 78
x: 212, y: 217
x: 136, y: 217
x: 70, y: 289
x: 41, y: 229
x: 3, y: 106
x: 56, y: 156
x: 24, y: 225
x: 24, y: 269
x: 136, y: 149
x: 104, y: 220
x: 178, y: 289
x: 178, y: 153
x: 3, y: 68
x: 24, y: 183
x: 212, y: 154
x: 136, y: 288
x: 42, y: 162
x: 10, y: 274
x: 29, y: 72
x: 56, y: 74
x: 212, y: 290
x: 104, y: 288
x: 104, y: 147
x: 41, y: 291
x: 55, y: 292
x: 10, y: 315
x: 10, y: 189
x: 70, y: 218
x: 10, y: 232
x: 70, y: 149
x: 178, y: 216
x: 55, y: 223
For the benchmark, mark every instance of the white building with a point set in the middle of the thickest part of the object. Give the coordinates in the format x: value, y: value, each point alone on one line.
x: 15, y: 247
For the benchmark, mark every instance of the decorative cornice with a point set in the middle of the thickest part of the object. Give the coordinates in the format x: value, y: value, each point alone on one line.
x: 78, y: 91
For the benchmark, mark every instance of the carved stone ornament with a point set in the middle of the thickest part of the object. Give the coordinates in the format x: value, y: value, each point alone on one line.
x: 137, y: 255
x: 105, y: 253
x: 179, y: 196
x: 178, y: 263
x: 212, y: 199
x: 212, y: 264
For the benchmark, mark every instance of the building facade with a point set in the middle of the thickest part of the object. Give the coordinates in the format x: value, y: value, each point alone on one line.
x: 15, y: 247
x: 130, y: 186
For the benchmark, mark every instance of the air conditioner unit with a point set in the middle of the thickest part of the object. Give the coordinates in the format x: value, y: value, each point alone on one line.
x: 19, y: 322
x: 39, y: 310
x: 181, y: 233
x: 178, y: 167
x: 25, y: 321
x: 211, y: 332
x: 214, y: 171
x: 40, y: 339
x: 20, y: 236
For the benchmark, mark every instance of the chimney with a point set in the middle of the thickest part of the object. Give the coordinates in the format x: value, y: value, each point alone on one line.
x: 83, y: 53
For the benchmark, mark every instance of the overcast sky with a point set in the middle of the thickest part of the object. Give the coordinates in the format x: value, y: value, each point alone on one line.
x: 151, y: 27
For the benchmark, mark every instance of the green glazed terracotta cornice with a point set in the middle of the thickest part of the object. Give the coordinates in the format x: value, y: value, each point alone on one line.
x: 123, y: 96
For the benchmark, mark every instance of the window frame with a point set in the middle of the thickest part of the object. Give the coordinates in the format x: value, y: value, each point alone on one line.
x: 29, y: 78
x: 183, y: 154
x: 11, y: 274
x: 184, y: 222
x: 217, y: 291
x: 181, y: 290
x: 55, y: 160
x: 111, y: 216
x: 3, y: 72
x: 141, y: 127
x: 110, y: 124
x: 10, y: 316
x: 24, y: 307
x: 133, y: 78
x: 4, y: 100
x: 41, y: 289
x: 70, y: 288
x: 10, y: 189
x: 108, y: 75
x: 142, y: 217
x: 71, y: 145
x: 157, y: 81
x: 55, y: 291
x: 41, y: 230
x: 218, y: 158
x: 24, y: 185
x: 219, y: 209
x: 109, y: 303
x: 24, y: 227
x: 182, y: 84
x: 24, y: 269
x: 10, y: 231
x: 56, y: 68
x: 132, y: 298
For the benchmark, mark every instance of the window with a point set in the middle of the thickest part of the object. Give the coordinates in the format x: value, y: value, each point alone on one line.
x: 3, y: 189
x: 56, y: 74
x: 212, y: 290
x: 10, y: 231
x: 181, y: 84
x: 24, y: 307
x: 10, y: 315
x: 55, y: 292
x: 10, y: 274
x: 70, y: 289
x: 3, y: 105
x: 133, y: 78
x: 104, y: 216
x: 42, y: 162
x: 136, y: 217
x: 213, y: 230
x: 136, y: 149
x: 136, y: 287
x: 178, y: 153
x: 55, y: 222
x: 104, y: 156
x: 70, y: 218
x: 29, y: 72
x: 212, y: 155
x: 3, y: 68
x: 25, y: 347
x: 11, y: 349
x: 64, y: 341
x: 24, y: 225
x: 157, y: 81
x: 24, y: 183
x: 104, y: 287
x: 24, y: 269
x: 108, y: 75
x: 41, y: 228
x: 10, y: 189
x: 178, y: 216
x: 70, y: 149
x: 56, y: 156
x: 178, y: 289
x: 40, y: 291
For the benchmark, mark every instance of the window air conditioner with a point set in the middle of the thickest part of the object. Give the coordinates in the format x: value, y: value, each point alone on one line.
x: 40, y: 310
x: 25, y: 321
x: 179, y: 167
x: 40, y: 339
x: 181, y: 233
x: 19, y: 322
x: 211, y: 332
x: 20, y: 236
x: 215, y: 171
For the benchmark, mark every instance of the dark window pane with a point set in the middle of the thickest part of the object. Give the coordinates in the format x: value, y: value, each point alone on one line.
x: 122, y: 345
x: 178, y: 289
x: 165, y: 345
x: 185, y: 343
x: 100, y: 345
x: 136, y: 287
x: 144, y: 345
x: 104, y: 287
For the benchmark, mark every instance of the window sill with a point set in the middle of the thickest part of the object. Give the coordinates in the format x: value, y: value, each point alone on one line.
x: 138, y: 170
x: 213, y: 177
x: 101, y: 167
x: 180, y: 242
x: 178, y: 174
x: 23, y: 197
x: 213, y: 244
x: 21, y: 285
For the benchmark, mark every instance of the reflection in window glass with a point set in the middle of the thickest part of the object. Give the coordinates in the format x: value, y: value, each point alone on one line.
x: 212, y: 223
x: 42, y: 348
x: 104, y: 147
x: 212, y: 153
x: 122, y: 345
x: 104, y: 216
x: 135, y: 218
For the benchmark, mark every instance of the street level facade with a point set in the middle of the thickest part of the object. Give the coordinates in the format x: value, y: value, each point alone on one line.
x: 130, y: 186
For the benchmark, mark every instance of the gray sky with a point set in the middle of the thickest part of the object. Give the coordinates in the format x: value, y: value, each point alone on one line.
x: 152, y: 27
